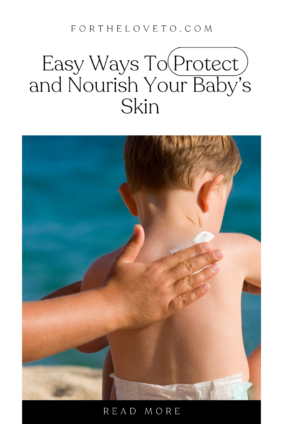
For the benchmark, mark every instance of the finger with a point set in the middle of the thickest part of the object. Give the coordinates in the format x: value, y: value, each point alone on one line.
x: 133, y: 247
x: 190, y: 283
x: 186, y: 299
x: 174, y: 259
x: 188, y: 268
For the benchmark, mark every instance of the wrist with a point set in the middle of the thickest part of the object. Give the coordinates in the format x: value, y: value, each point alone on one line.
x: 112, y: 309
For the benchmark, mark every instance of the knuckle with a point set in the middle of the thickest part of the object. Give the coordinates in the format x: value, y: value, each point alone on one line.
x: 178, y: 257
x: 198, y: 293
x: 198, y: 249
x: 188, y: 282
x: 162, y: 290
x: 208, y: 258
x: 184, y: 301
x: 179, y: 305
x: 153, y: 268
x: 189, y: 266
x: 171, y: 307
x: 197, y: 278
x: 193, y: 296
x: 149, y: 272
x: 176, y: 305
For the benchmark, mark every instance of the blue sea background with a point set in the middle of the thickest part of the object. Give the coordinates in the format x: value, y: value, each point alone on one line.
x: 73, y: 213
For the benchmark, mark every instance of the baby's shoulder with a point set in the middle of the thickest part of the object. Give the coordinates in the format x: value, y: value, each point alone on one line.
x: 236, y: 239
x: 242, y: 257
x: 235, y: 243
x: 97, y: 271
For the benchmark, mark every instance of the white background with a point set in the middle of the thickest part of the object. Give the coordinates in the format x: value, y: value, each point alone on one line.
x: 31, y: 29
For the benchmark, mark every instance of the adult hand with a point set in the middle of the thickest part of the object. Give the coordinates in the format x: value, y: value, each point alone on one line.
x: 133, y: 295
x: 144, y: 293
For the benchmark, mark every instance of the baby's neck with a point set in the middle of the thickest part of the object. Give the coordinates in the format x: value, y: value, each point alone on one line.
x: 174, y: 209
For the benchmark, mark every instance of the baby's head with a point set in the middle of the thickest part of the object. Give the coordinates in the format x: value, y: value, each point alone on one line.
x: 201, y: 166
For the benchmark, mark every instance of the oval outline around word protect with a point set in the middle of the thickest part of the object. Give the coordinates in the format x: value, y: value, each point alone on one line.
x: 206, y: 75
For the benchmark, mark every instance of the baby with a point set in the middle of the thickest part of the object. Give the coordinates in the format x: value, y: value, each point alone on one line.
x: 178, y: 186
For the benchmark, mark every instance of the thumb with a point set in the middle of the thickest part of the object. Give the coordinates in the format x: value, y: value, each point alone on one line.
x: 133, y: 247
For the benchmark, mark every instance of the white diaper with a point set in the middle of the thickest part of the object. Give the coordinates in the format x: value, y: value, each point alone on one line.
x: 228, y: 388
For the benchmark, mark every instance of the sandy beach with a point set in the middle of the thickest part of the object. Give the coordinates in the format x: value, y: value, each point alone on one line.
x: 61, y: 383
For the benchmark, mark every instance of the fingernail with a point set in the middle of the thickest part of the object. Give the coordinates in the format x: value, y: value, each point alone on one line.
x: 214, y: 268
x: 218, y: 254
x: 206, y: 247
x: 136, y: 230
x: 205, y: 287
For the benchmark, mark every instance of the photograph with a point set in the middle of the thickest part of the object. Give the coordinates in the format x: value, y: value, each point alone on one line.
x: 141, y: 263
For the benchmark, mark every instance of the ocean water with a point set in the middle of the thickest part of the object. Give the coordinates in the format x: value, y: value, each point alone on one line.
x: 73, y: 213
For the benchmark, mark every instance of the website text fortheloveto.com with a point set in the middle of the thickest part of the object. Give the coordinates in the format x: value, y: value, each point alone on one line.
x: 140, y: 28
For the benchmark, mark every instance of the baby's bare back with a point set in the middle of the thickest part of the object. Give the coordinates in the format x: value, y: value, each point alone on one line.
x: 202, y: 342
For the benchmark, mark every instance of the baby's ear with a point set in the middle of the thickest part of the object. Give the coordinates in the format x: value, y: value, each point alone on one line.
x: 207, y: 190
x: 128, y: 198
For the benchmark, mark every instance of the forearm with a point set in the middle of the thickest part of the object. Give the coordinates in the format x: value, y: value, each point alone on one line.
x: 54, y: 325
x: 64, y: 291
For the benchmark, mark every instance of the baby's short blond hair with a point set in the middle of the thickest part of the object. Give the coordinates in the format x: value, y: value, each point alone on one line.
x: 156, y: 162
